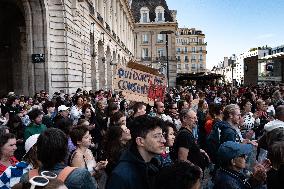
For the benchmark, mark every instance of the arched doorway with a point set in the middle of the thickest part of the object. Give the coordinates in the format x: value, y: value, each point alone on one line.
x: 12, y: 46
x: 22, y: 33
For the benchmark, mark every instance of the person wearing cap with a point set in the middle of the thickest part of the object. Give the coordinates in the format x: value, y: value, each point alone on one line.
x: 12, y: 175
x: 36, y: 126
x: 63, y: 113
x: 232, y: 160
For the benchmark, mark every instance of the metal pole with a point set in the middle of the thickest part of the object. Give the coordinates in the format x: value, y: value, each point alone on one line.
x: 167, y: 54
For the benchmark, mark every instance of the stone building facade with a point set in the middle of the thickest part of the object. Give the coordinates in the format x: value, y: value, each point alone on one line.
x: 152, y: 19
x: 81, y: 40
x: 190, y: 50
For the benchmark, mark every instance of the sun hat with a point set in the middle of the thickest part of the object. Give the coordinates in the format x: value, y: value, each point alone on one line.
x: 30, y: 142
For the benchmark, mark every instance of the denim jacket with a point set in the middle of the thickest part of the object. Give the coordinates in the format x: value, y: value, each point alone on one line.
x: 229, y: 179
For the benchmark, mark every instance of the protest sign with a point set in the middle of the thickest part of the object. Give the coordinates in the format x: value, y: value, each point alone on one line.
x: 138, y: 85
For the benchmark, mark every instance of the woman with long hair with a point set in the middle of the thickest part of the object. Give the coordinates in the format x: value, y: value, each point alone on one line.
x: 114, y: 143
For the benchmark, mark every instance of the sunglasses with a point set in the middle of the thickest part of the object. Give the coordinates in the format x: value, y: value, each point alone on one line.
x: 42, y: 180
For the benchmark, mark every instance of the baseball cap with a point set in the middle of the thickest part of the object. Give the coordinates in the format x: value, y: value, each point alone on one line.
x: 230, y: 150
x: 30, y: 142
x: 62, y: 108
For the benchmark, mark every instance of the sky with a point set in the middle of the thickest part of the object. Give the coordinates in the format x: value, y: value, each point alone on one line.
x: 232, y: 26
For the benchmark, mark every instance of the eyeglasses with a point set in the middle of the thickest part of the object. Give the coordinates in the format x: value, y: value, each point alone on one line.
x: 42, y: 180
x: 159, y: 137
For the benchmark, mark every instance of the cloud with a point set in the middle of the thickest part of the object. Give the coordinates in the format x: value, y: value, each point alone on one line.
x: 265, y: 36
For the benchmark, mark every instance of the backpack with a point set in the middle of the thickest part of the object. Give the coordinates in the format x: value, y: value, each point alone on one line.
x: 64, y: 173
x: 213, y: 141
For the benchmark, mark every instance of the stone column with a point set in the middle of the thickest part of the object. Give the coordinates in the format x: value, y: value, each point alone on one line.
x: 101, y: 7
x: 107, y: 12
x: 117, y: 18
x: 113, y: 4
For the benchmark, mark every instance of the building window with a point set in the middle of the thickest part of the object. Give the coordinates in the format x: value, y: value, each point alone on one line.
x: 200, y: 49
x: 160, y: 38
x: 160, y: 14
x: 145, y: 17
x: 193, y: 49
x: 186, y: 67
x: 144, y: 12
x: 178, y: 58
x: 200, y: 41
x: 178, y: 66
x: 200, y: 58
x: 185, y: 49
x: 145, y: 53
x: 145, y: 38
x: 178, y: 50
x: 160, y: 52
x: 186, y: 58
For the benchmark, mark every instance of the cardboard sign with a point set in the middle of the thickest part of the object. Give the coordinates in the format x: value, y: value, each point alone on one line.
x: 138, y: 85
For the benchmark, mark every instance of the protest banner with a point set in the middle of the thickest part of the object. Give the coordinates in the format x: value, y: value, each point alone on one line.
x: 139, y: 85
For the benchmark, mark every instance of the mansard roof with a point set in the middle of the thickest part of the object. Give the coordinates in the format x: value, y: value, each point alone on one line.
x: 151, y: 4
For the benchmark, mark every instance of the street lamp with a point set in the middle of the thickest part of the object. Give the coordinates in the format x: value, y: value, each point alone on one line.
x: 167, y: 53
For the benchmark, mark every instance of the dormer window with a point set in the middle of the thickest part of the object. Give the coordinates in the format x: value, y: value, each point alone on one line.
x: 160, y: 14
x: 144, y: 12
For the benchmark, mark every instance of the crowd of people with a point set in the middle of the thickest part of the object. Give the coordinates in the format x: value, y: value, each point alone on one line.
x: 213, y: 137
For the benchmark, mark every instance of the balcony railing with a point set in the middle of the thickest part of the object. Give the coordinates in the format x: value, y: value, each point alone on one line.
x: 186, y: 60
x: 193, y: 60
x: 160, y: 41
x: 100, y: 18
x: 161, y: 58
x: 145, y: 42
x: 202, y: 51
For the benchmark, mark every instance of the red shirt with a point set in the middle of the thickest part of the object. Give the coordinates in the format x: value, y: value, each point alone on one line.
x: 13, y: 162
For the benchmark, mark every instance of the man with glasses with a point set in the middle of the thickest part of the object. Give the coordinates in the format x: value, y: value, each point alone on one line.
x: 137, y: 167
x: 185, y: 146
x: 174, y: 115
